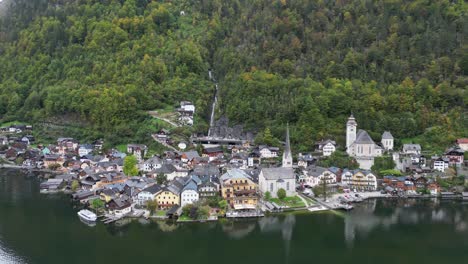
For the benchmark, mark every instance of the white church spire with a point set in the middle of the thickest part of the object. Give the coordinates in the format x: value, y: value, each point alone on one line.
x: 287, y: 156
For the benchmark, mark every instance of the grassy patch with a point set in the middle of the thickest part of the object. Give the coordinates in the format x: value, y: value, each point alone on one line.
x: 185, y: 218
x: 294, y: 201
x: 7, y: 124
x: 160, y: 213
x: 122, y: 148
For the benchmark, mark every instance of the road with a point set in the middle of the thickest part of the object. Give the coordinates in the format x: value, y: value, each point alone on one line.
x: 155, y: 115
x: 163, y: 143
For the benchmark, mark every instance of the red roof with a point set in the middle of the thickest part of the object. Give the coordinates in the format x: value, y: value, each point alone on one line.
x: 462, y: 141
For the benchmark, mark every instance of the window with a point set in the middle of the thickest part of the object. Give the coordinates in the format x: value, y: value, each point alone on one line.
x: 287, y: 186
x: 271, y: 187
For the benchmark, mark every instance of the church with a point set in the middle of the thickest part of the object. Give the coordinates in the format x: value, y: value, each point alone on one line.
x: 272, y: 179
x: 361, y: 146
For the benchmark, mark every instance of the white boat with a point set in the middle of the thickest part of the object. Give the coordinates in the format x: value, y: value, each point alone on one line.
x: 87, y: 216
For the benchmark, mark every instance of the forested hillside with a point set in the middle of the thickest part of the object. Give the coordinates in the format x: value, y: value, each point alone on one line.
x: 397, y: 65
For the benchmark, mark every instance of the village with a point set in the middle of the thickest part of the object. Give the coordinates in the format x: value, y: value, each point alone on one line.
x: 230, y: 176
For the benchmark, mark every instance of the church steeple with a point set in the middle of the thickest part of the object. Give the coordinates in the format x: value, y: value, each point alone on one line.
x: 287, y: 155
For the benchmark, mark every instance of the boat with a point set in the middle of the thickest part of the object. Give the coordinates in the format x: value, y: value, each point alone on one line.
x: 87, y: 216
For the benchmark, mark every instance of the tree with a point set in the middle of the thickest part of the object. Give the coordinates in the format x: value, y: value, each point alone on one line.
x: 187, y: 209
x: 130, y: 165
x: 281, y: 193
x: 97, y: 204
x: 267, y: 195
x: 193, y: 212
x: 161, y: 179
x: 204, y: 212
x: 152, y: 205
x: 75, y: 185
x: 223, y: 204
x: 383, y: 164
x: 54, y: 166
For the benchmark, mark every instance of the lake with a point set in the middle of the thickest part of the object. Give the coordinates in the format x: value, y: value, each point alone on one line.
x: 44, y: 229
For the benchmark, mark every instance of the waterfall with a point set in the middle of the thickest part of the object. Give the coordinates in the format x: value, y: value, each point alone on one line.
x: 215, y: 101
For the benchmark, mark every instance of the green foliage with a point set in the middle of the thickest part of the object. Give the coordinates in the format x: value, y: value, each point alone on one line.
x: 161, y: 179
x: 267, y: 195
x: 223, y: 205
x: 390, y: 172
x: 75, y: 185
x: 152, y: 205
x: 281, y: 193
x: 204, y: 212
x: 382, y: 164
x: 339, y: 159
x: 398, y: 65
x: 54, y: 166
x: 97, y: 204
x: 186, y: 209
x: 130, y: 166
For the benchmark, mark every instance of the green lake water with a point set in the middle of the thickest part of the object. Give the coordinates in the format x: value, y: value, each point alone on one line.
x: 37, y: 228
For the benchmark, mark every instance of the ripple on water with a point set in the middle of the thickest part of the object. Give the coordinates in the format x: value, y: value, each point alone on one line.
x: 8, y: 256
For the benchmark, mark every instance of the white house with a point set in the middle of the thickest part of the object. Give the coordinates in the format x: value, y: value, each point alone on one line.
x: 359, y: 180
x: 189, y: 194
x: 441, y: 164
x: 412, y: 149
x: 85, y: 149
x: 152, y: 164
x: 268, y: 152
x: 463, y: 143
x: 138, y: 150
x: 147, y: 194
x: 315, y: 175
x: 326, y: 147
x: 273, y: 179
x: 120, y: 206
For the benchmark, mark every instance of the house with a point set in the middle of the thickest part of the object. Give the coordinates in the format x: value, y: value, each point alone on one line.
x: 66, y: 145
x: 50, y: 160
x: 272, y: 179
x: 315, y: 175
x: 267, y: 152
x: 254, y: 159
x: 98, y: 144
x: 400, y: 184
x: 433, y: 188
x: 108, y: 194
x: 462, y: 143
x: 420, y: 182
x: 147, y: 194
x: 208, y: 188
x: 189, y: 194
x: 163, y: 135
x: 455, y: 156
x: 169, y: 171
x: 239, y: 190
x: 326, y: 147
x: 138, y: 150
x: 239, y: 160
x: 168, y: 197
x: 440, y: 164
x: 305, y: 160
x: 85, y: 149
x: 152, y: 164
x: 359, y: 180
x: 212, y: 152
x: 412, y: 149
x: 52, y: 185
x: 120, y: 206
x: 360, y: 145
x: 3, y: 141
x: 189, y: 156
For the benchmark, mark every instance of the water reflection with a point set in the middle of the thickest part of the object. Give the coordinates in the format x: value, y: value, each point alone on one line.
x: 364, y: 218
x: 8, y: 256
